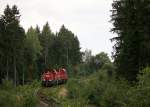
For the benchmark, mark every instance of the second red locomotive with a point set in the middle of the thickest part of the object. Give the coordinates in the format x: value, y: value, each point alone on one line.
x: 54, y: 77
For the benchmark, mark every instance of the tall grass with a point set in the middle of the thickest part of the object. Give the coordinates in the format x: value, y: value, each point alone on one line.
x: 99, y: 89
x: 104, y: 91
x: 21, y: 96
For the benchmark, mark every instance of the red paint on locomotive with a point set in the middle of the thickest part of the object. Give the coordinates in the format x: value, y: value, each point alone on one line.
x: 54, y: 77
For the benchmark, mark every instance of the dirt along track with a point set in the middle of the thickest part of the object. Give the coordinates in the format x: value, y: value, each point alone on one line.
x: 43, y: 100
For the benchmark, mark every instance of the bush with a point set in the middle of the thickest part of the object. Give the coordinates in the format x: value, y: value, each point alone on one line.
x: 7, y: 99
x: 21, y: 96
x: 99, y: 89
x: 27, y: 94
x: 107, y: 91
x: 7, y: 84
x: 104, y: 90
x: 139, y: 96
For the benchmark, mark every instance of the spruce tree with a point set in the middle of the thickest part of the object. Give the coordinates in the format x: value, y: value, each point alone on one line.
x: 13, y: 38
x: 71, y: 54
x: 131, y: 22
x: 46, y: 40
x: 33, y: 50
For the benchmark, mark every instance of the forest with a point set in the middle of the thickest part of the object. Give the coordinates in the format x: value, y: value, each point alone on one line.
x: 24, y: 55
x: 94, y: 80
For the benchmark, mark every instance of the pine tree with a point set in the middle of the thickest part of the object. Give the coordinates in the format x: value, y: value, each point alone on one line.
x: 70, y: 54
x: 33, y: 50
x: 13, y: 36
x: 2, y: 30
x: 46, y: 41
x: 130, y: 51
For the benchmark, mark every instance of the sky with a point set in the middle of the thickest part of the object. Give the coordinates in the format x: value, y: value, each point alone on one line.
x: 87, y: 19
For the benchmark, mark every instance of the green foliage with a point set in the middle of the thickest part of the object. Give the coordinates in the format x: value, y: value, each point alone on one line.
x: 33, y: 44
x: 59, y: 50
x: 131, y: 49
x: 92, y: 63
x: 7, y: 99
x: 139, y: 96
x: 46, y: 39
x: 101, y: 90
x: 27, y: 95
x: 12, y: 46
x: 21, y: 96
x: 102, y: 58
x: 7, y: 85
x: 32, y: 51
x: 112, y: 92
x: 70, y: 47
x: 23, y: 57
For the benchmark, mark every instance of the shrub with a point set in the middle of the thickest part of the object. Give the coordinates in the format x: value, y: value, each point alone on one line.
x: 7, y: 99
x: 139, y: 96
x: 21, y: 96
x: 7, y: 84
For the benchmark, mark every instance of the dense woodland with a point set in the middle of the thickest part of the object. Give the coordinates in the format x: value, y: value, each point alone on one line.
x: 94, y: 80
x: 24, y: 55
x: 130, y: 19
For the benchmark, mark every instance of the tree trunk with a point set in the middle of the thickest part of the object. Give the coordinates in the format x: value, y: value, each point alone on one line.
x: 7, y: 69
x: 15, y: 72
x: 46, y: 54
x: 23, y: 77
x: 45, y: 59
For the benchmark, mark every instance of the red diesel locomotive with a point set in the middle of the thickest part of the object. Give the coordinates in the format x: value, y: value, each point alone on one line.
x: 54, y: 77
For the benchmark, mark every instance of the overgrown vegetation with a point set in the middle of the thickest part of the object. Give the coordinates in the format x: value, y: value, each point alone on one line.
x: 93, y: 80
x: 21, y: 96
x: 98, y: 89
x: 101, y: 90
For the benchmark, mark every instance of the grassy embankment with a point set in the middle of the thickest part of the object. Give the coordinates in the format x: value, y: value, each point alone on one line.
x: 96, y: 90
x: 102, y: 90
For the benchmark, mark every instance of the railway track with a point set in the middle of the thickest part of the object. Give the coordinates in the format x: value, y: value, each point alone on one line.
x: 44, y: 101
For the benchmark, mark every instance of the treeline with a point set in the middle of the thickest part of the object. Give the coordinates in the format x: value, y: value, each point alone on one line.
x: 94, y: 63
x: 131, y: 19
x: 24, y: 55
